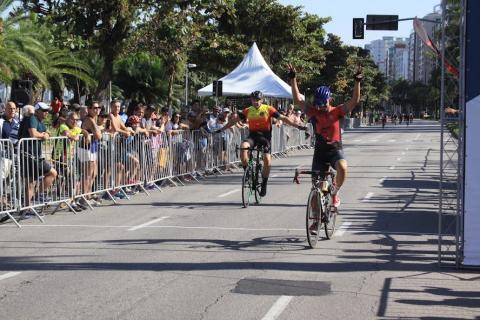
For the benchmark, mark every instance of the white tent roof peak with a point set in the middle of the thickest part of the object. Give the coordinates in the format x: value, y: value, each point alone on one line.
x: 252, y: 74
x: 253, y: 61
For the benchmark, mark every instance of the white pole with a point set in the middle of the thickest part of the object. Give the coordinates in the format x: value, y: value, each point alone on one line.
x: 186, y: 86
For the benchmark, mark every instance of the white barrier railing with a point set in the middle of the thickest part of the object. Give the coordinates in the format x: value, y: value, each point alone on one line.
x: 59, y: 170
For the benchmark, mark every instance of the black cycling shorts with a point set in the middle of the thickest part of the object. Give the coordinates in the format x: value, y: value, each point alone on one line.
x: 262, y: 139
x: 325, y: 155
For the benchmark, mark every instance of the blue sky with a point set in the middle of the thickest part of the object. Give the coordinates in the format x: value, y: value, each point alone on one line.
x: 342, y: 12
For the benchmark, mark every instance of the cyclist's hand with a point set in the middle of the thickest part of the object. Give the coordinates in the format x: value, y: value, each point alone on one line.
x: 292, y: 73
x: 217, y: 131
x: 358, y: 76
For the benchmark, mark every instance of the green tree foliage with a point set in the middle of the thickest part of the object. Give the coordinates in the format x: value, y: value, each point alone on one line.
x: 215, y: 35
x: 171, y: 29
x: 141, y: 78
x: 105, y: 24
x: 19, y: 48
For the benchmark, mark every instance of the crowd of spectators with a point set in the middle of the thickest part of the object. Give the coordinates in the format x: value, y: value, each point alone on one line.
x: 88, y: 129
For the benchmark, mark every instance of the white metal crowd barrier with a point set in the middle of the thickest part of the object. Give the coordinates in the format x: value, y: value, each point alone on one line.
x: 8, y: 204
x: 36, y: 174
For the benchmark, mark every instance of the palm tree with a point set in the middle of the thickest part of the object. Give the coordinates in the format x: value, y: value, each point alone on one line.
x: 19, y: 48
x: 28, y: 52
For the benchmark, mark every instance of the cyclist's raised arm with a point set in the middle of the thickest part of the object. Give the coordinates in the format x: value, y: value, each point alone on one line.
x: 233, y: 121
x: 290, y: 122
x: 353, y: 102
x: 297, y: 97
x: 275, y: 114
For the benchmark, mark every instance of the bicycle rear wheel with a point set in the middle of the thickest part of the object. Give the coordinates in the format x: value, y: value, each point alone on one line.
x: 247, y: 189
x: 330, y: 217
x: 313, y: 222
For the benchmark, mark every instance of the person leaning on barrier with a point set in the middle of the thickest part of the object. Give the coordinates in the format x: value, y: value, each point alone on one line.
x: 64, y: 153
x: 88, y: 150
x: 8, y: 121
x: 149, y: 123
x: 33, y: 164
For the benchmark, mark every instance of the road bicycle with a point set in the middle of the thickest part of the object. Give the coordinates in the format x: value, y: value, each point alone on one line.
x: 320, y: 209
x: 251, y: 184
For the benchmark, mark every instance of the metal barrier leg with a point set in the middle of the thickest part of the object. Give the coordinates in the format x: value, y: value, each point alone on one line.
x: 13, y: 219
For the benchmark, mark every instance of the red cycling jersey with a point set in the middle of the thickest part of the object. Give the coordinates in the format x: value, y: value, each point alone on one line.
x: 327, y: 122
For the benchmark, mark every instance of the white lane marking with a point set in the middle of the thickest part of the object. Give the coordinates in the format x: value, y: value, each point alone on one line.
x: 398, y: 159
x: 374, y: 140
x: 343, y: 228
x: 367, y: 197
x: 383, y: 179
x: 275, y: 175
x: 146, y: 224
x: 277, y: 308
x: 403, y: 153
x: 9, y: 275
x: 357, y: 140
x: 228, y: 193
x: 392, y: 168
x: 165, y: 227
x: 392, y: 140
x: 406, y: 149
x: 416, y: 138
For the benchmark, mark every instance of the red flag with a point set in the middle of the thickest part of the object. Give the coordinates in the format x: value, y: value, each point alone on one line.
x: 423, y: 35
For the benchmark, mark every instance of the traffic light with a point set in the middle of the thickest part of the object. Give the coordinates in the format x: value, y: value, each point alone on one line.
x: 382, y: 22
x: 358, y: 30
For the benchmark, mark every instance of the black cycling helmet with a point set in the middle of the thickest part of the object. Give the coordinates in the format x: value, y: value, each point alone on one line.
x: 257, y: 95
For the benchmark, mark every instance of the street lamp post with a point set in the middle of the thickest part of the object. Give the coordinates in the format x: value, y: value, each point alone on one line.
x: 189, y: 66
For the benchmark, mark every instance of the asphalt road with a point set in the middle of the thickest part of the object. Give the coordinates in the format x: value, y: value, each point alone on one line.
x: 192, y: 252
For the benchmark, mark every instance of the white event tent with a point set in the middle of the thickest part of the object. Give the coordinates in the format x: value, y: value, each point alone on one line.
x: 252, y: 74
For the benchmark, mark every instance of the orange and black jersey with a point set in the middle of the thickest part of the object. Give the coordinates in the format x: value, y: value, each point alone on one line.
x: 259, y: 119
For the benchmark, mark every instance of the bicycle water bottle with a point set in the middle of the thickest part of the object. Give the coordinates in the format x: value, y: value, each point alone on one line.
x: 325, y: 186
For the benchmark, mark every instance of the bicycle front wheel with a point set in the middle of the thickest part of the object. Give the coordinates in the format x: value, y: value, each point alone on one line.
x: 330, y: 217
x: 313, y: 222
x: 257, y: 184
x: 247, y: 189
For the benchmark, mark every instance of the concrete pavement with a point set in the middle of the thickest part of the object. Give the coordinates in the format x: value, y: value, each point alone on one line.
x: 193, y: 253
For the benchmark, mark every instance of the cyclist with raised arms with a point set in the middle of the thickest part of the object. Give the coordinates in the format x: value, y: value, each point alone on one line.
x: 259, y: 117
x: 328, y: 144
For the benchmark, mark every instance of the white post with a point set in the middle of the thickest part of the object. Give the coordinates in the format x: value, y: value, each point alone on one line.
x: 186, y: 86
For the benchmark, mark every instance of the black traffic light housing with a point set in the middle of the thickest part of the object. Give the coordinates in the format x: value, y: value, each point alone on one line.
x: 358, y: 29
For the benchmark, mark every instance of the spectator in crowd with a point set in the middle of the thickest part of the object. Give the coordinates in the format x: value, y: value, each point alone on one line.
x: 133, y: 169
x: 56, y: 106
x: 175, y: 125
x: 82, y: 115
x: 32, y: 161
x: 64, y: 155
x: 297, y: 117
x: 9, y: 125
x: 60, y: 118
x: 119, y: 127
x: 116, y: 122
x: 27, y: 111
x: 103, y: 122
x: 227, y: 112
x: 88, y: 151
x: 123, y: 113
x: 148, y: 122
x: 212, y: 119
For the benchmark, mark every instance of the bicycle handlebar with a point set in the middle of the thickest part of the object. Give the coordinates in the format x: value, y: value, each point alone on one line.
x: 310, y: 172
